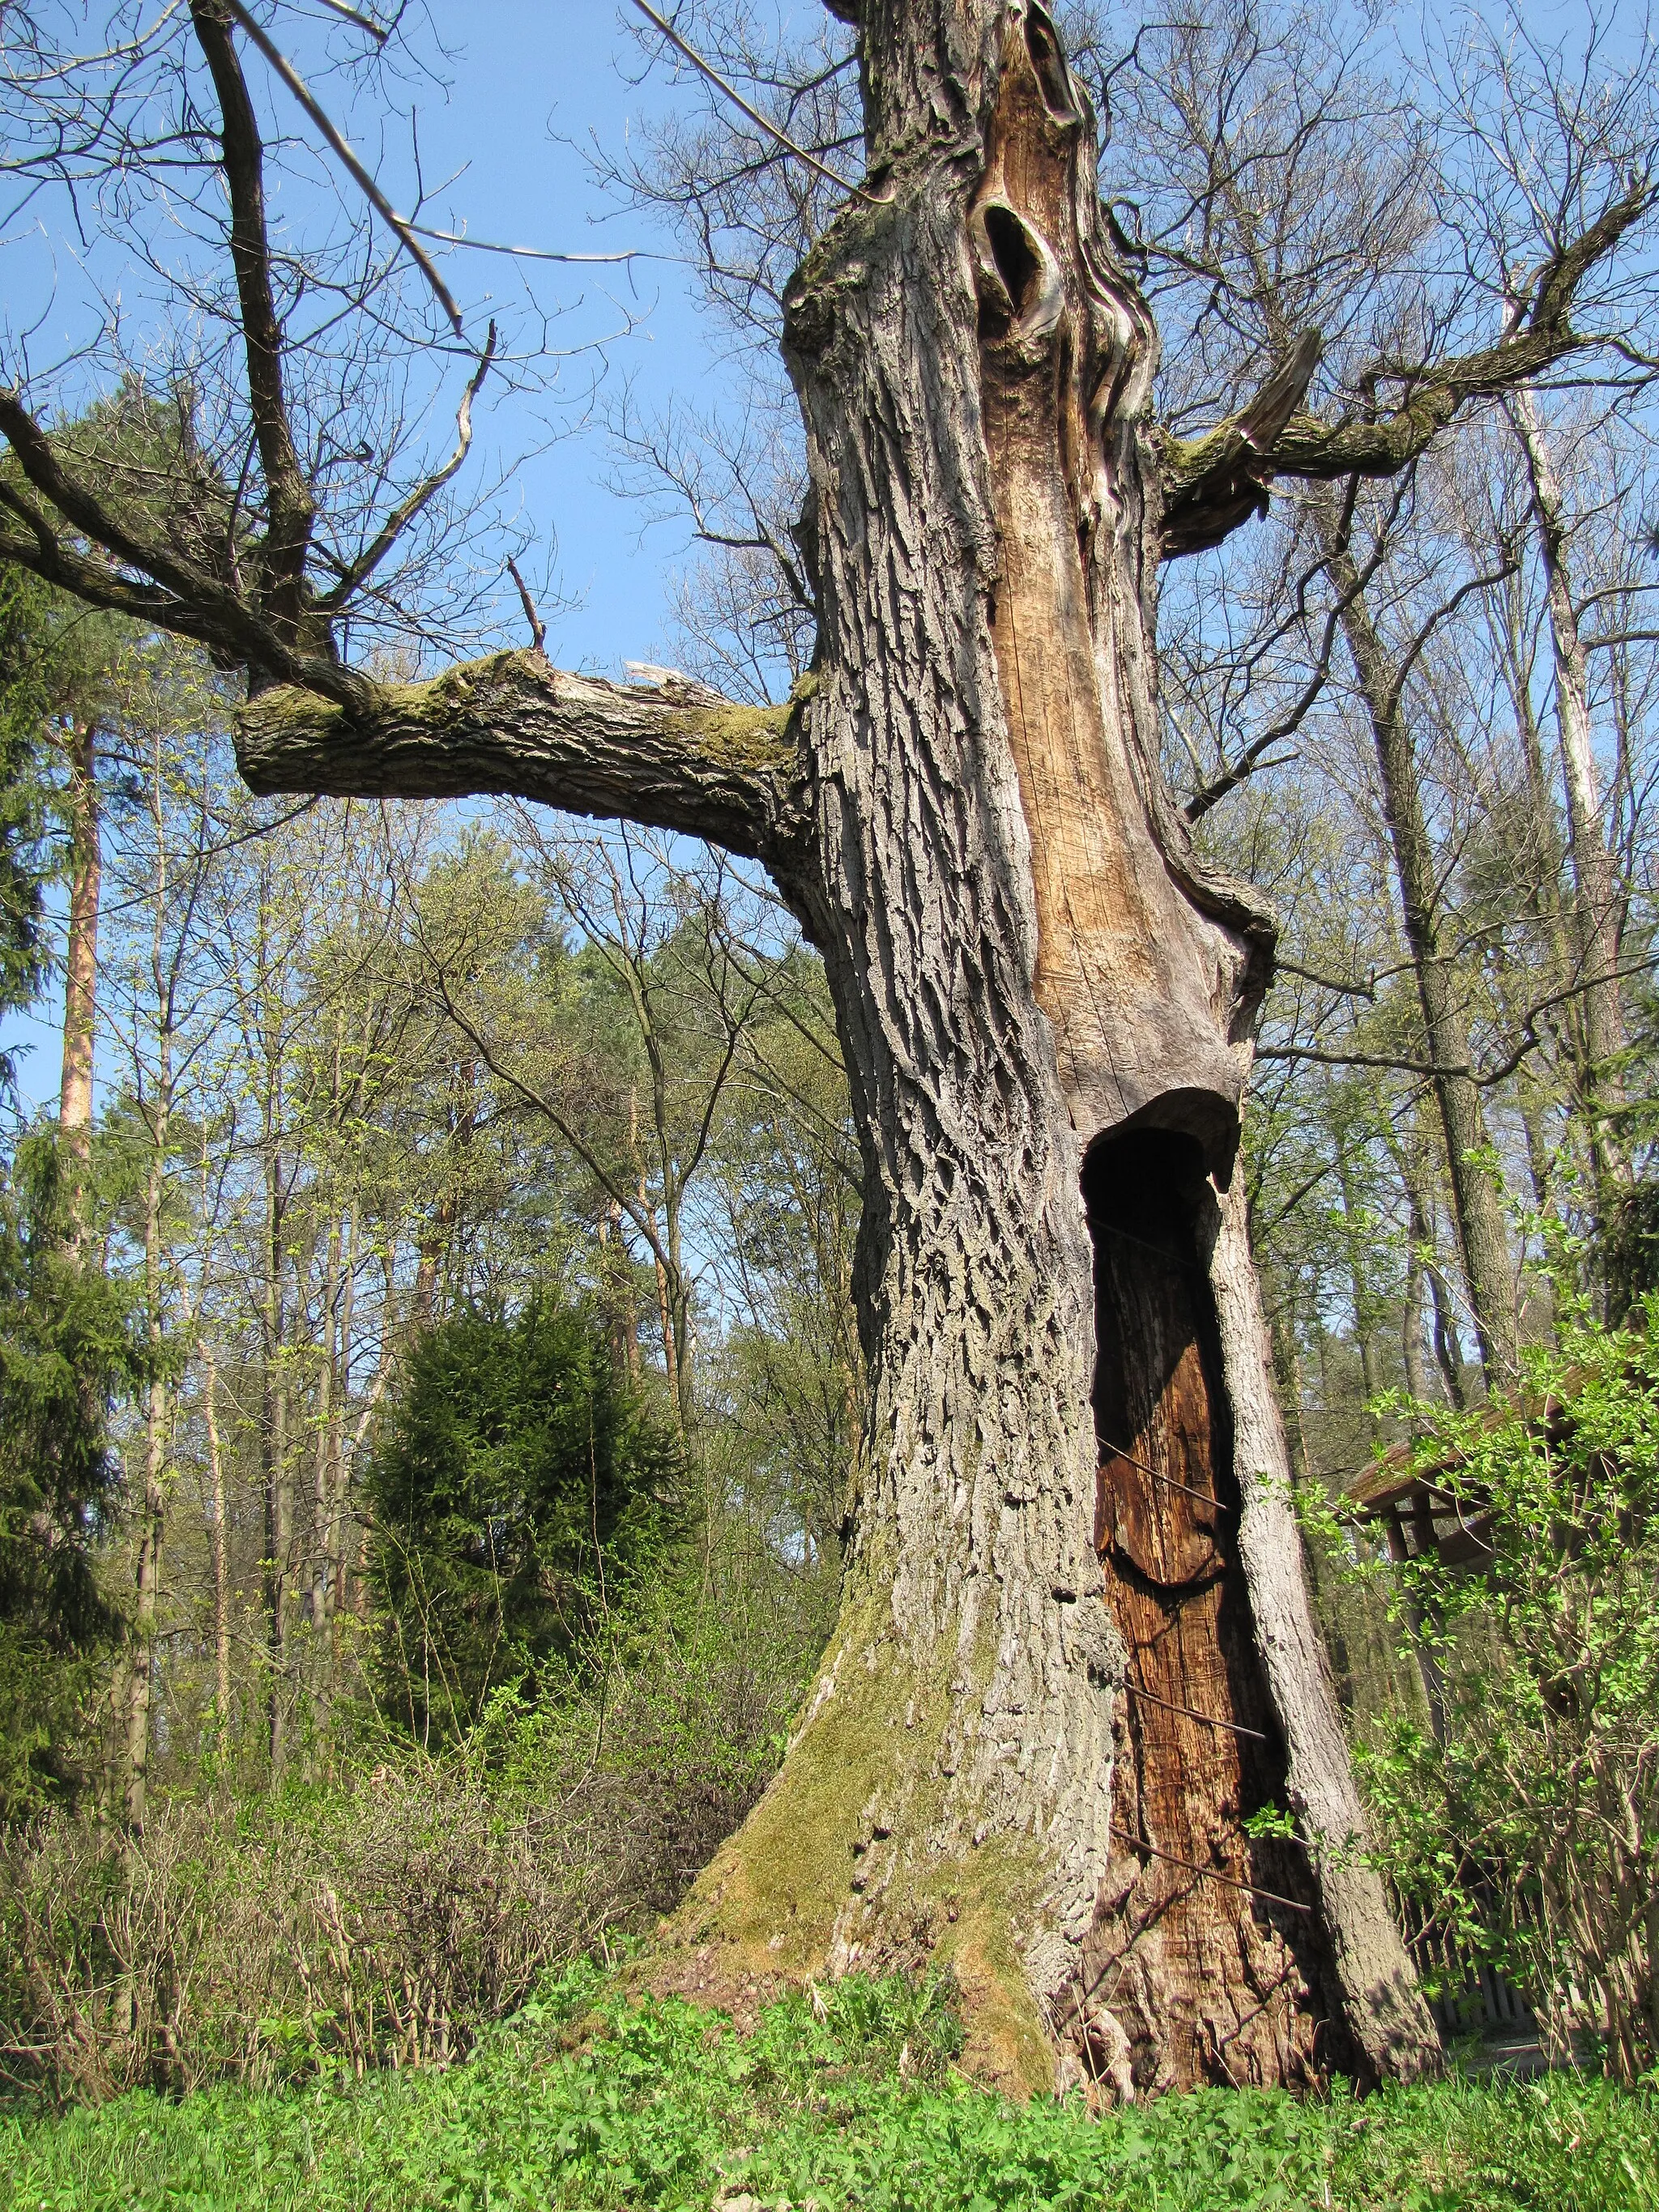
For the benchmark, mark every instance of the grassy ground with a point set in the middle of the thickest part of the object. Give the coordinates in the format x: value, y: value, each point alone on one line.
x: 851, y: 2100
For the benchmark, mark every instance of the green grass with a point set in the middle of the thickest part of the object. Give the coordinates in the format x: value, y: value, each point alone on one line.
x: 591, y: 2100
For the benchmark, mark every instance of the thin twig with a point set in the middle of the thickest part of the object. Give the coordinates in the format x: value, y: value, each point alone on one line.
x: 378, y: 31
x: 1157, y: 1475
x: 405, y: 511
x: 345, y: 152
x: 1208, y: 1873
x: 532, y: 252
x: 708, y: 70
x: 1210, y: 1720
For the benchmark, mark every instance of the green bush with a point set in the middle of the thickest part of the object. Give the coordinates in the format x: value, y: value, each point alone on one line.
x: 68, y: 1351
x: 1527, y: 1830
x: 522, y: 1487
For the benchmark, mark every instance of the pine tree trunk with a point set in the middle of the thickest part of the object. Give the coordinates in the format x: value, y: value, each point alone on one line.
x: 1036, y: 982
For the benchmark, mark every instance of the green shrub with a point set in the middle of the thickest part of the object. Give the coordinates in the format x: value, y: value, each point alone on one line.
x: 845, y: 2098
x: 1527, y: 1831
x: 68, y: 1351
x: 522, y: 1487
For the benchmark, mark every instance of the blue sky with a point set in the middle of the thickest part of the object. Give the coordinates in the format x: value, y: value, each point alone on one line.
x: 526, y: 78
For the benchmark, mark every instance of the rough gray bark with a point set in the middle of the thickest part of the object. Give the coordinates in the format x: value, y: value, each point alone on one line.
x: 663, y: 751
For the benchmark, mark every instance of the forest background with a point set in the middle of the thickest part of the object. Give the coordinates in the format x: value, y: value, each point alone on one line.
x: 431, y: 1381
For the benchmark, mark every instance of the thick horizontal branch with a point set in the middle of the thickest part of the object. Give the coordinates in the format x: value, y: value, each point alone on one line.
x: 669, y: 754
x: 1214, y: 483
x: 1540, y: 335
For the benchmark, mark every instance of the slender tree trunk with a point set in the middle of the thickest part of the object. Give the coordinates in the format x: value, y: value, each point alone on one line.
x: 149, y: 1523
x: 80, y: 964
x: 1476, y: 1198
x: 1597, y: 915
x: 276, y: 1478
x: 1411, y: 1327
x: 149, y: 1530
x: 1411, y: 1158
x: 338, y: 1472
x: 316, y: 1573
x: 1353, y: 1238
x: 220, y: 1547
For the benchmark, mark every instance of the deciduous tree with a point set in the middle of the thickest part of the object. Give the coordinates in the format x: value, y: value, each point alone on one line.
x: 1046, y: 1000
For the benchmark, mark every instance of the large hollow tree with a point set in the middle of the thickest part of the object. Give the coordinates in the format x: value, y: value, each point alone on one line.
x: 1076, y: 1652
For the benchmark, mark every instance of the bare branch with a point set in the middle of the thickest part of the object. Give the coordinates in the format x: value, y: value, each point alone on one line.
x: 1543, y: 336
x: 292, y: 510
x: 537, y: 627
x: 406, y: 510
x: 1214, y: 483
x: 801, y: 154
x: 343, y: 152
x: 1220, y: 481
x: 376, y: 31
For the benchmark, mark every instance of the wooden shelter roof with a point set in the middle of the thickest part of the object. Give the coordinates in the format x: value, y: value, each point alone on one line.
x: 1415, y: 1510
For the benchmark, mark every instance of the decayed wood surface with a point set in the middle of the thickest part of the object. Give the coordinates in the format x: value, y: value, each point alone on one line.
x: 1151, y: 973
x: 1219, y: 1975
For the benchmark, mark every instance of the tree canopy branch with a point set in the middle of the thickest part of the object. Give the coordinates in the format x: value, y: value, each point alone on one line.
x: 1213, y: 484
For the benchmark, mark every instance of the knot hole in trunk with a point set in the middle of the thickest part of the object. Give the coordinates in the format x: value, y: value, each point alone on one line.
x: 1022, y: 291
x: 1048, y: 67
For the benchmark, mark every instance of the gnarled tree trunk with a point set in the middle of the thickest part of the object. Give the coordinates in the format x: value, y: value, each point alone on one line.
x: 1037, y: 980
x: 1075, y: 1650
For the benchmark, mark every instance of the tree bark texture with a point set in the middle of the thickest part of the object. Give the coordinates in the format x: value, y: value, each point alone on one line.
x: 1033, y: 977
x: 1482, y: 1232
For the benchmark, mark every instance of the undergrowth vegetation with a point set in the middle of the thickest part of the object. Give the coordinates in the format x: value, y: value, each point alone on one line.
x: 844, y: 2097
x: 385, y: 1916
